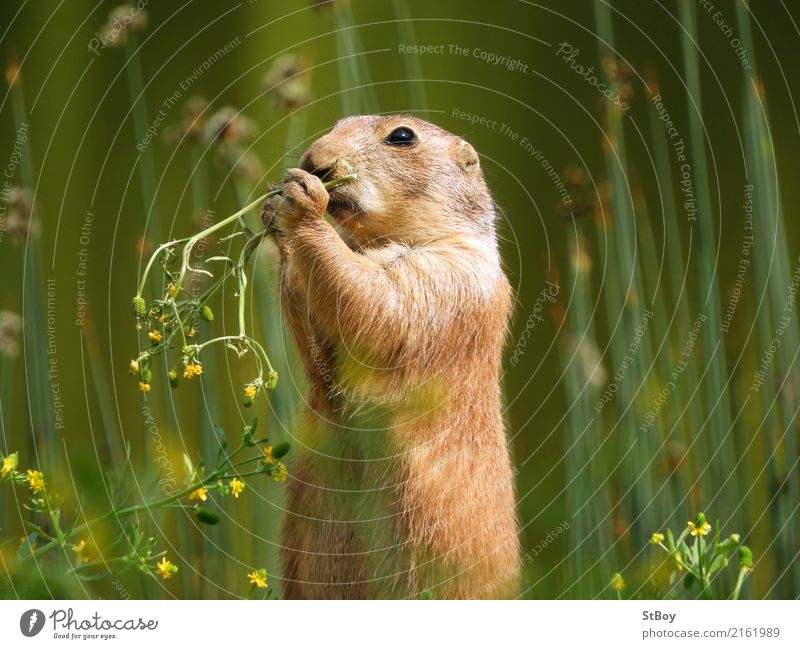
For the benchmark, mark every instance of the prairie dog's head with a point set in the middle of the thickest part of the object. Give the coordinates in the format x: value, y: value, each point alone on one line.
x: 415, y: 181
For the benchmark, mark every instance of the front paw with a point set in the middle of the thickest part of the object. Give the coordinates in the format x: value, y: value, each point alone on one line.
x: 269, y: 208
x: 303, y: 197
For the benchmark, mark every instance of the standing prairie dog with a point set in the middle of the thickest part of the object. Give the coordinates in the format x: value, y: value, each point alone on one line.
x: 399, y: 310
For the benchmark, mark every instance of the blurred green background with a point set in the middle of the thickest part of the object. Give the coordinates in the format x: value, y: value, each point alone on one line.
x: 81, y: 109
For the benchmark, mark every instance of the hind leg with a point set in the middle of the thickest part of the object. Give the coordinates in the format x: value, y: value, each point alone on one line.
x: 321, y: 555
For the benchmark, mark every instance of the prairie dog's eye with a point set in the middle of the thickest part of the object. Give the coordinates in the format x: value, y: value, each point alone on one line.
x: 402, y: 136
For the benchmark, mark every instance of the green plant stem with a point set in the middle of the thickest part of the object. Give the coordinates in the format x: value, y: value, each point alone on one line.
x: 192, y: 241
x: 239, y: 270
x: 743, y: 572
x: 219, y: 474
x: 139, y: 112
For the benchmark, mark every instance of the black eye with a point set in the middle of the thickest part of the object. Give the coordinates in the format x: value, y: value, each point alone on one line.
x: 402, y: 136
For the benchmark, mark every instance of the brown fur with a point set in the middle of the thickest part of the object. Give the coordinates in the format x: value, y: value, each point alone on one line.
x: 399, y: 311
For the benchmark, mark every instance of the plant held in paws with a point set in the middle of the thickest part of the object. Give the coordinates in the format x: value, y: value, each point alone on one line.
x: 172, y: 321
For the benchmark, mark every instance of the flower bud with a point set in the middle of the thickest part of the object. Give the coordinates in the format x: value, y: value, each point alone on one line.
x: 206, y: 313
x: 173, y: 378
x: 139, y: 307
x: 745, y: 557
x: 247, y: 436
x: 728, y: 544
x: 280, y: 449
x: 207, y: 516
x: 271, y: 381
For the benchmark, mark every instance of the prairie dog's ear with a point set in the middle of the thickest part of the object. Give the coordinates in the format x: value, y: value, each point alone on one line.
x: 465, y: 156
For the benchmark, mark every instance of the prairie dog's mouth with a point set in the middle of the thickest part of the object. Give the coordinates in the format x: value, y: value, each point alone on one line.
x: 340, y: 204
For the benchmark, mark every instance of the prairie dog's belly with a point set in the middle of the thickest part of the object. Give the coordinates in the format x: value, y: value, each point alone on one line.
x: 343, y: 530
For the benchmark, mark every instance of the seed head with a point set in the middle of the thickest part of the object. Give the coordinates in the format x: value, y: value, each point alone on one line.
x: 139, y: 307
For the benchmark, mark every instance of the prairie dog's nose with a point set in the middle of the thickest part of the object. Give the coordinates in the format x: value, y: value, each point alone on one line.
x: 315, y: 164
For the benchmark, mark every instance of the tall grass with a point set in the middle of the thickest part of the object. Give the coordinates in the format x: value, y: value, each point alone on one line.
x: 412, y: 67
x: 358, y: 95
x: 35, y: 339
x: 624, y: 269
x: 693, y: 434
x: 719, y: 431
x: 95, y: 372
x: 779, y: 397
x: 211, y: 417
x: 678, y: 278
x: 587, y: 502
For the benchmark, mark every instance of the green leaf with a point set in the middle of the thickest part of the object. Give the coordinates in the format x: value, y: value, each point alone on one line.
x: 717, y: 564
x: 219, y: 433
x: 238, y: 233
x: 39, y: 531
x: 248, y: 432
x: 189, y: 466
x: 95, y: 576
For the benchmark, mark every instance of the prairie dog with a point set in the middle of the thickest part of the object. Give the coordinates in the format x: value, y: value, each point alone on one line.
x: 399, y: 308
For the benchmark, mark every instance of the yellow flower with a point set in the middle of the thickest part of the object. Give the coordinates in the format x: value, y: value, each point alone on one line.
x: 617, y: 582
x: 9, y: 464
x: 165, y: 569
x: 250, y: 391
x: 279, y: 473
x: 199, y: 494
x: 268, y: 455
x: 134, y: 367
x: 701, y: 529
x: 154, y: 336
x: 78, y: 550
x: 259, y: 578
x: 192, y: 370
x: 144, y: 387
x: 678, y: 561
x: 171, y: 289
x: 657, y: 538
x: 237, y: 487
x: 35, y: 481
